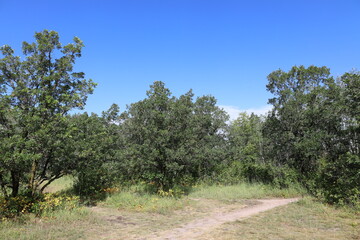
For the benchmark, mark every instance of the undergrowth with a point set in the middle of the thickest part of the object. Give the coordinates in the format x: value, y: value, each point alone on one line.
x: 137, y: 199
x: 244, y: 191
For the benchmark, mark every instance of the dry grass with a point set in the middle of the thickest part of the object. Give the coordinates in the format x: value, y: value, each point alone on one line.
x: 139, y: 224
x: 61, y: 225
x: 306, y: 219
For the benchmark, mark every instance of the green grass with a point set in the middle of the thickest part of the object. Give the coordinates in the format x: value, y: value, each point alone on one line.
x: 244, y: 191
x: 136, y: 199
x: 145, y: 202
x: 306, y: 219
x: 62, y: 184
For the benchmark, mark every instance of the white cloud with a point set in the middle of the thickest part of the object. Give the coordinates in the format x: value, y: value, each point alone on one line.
x: 235, y: 111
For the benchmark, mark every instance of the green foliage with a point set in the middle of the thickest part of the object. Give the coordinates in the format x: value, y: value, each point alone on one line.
x: 296, y: 129
x: 36, y: 94
x: 50, y: 202
x: 265, y: 173
x: 95, y: 140
x: 91, y: 184
x: 169, y: 140
x: 14, y: 206
x: 245, y: 138
x: 242, y: 191
x: 340, y: 181
x: 314, y: 129
x: 41, y: 205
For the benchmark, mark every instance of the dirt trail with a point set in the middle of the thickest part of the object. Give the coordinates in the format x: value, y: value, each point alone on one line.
x: 196, y: 228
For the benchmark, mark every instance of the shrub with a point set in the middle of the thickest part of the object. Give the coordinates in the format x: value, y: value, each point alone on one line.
x: 50, y: 202
x: 93, y: 184
x: 39, y: 205
x: 14, y: 206
x: 339, y: 181
x: 238, y: 172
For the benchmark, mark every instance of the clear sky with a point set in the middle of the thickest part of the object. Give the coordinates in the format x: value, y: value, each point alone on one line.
x: 219, y: 47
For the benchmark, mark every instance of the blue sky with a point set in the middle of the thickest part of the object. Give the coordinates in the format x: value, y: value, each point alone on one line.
x: 223, y: 48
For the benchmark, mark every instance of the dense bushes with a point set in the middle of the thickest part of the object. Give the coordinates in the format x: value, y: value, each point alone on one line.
x: 339, y: 181
x: 314, y: 129
x: 170, y: 141
x: 237, y: 172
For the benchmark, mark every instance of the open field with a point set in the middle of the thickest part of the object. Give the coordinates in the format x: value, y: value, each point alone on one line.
x: 203, y: 214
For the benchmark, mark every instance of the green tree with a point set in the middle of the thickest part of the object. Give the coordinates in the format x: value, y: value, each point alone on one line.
x: 301, y: 125
x: 339, y: 180
x: 36, y: 94
x: 169, y: 139
x: 245, y: 137
x: 314, y: 128
x: 94, y: 143
x: 351, y: 110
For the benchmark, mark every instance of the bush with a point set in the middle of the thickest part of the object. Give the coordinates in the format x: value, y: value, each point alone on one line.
x: 93, y: 184
x: 339, y: 181
x: 50, y: 202
x: 238, y: 172
x: 39, y: 205
x: 14, y: 206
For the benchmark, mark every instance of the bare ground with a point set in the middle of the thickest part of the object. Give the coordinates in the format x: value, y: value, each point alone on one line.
x: 135, y: 226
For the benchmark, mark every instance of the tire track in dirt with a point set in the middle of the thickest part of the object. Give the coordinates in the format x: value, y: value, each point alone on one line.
x: 198, y: 227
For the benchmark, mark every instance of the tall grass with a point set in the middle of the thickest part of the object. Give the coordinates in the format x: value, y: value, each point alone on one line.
x: 136, y: 199
x: 61, y: 224
x: 244, y: 191
x: 144, y: 202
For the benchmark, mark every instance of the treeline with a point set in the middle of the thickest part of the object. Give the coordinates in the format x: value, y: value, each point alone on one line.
x: 309, y: 138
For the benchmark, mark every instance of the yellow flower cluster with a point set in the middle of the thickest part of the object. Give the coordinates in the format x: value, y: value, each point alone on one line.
x: 170, y: 193
x: 16, y: 206
x: 13, y: 206
x: 111, y: 190
x: 52, y: 202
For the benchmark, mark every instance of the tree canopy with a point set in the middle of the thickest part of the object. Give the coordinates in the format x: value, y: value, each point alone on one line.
x: 169, y: 139
x: 36, y: 95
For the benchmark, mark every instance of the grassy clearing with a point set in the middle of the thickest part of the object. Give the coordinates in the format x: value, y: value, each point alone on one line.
x: 62, y: 184
x: 61, y: 224
x: 136, y: 199
x: 244, y: 191
x: 306, y: 219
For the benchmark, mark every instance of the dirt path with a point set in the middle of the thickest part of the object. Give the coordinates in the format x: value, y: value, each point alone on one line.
x: 196, y: 228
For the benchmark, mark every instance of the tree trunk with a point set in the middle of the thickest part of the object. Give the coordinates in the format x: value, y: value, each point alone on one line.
x: 32, y: 186
x: 15, y: 180
x: 3, y: 188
